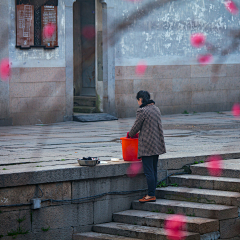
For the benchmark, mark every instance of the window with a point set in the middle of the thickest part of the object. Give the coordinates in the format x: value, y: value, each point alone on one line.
x: 31, y: 18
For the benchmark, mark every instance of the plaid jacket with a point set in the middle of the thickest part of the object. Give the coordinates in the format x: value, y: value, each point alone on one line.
x: 151, y: 139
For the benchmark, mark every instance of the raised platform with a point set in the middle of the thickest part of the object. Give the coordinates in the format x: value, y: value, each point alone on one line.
x: 58, y: 146
x: 41, y: 162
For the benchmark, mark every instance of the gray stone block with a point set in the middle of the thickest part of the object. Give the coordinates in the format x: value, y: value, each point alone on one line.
x: 194, y: 181
x: 128, y: 184
x: 207, y: 71
x: 199, y: 195
x: 171, y: 71
x: 211, y: 211
x: 156, y: 84
x: 64, y: 216
x: 209, y: 97
x: 126, y: 112
x: 135, y: 231
x: 99, y: 236
x: 230, y: 228
x: 57, y: 191
x: 10, y: 221
x: 124, y: 87
x: 126, y: 100
x: 200, y: 84
x: 86, y: 188
x: 153, y: 219
x: 54, y: 234
x: 200, y: 169
x: 84, y: 228
x: 181, y: 85
x: 233, y: 70
x: 104, y: 208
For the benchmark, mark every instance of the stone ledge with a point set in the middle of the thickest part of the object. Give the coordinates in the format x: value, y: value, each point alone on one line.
x: 72, y: 172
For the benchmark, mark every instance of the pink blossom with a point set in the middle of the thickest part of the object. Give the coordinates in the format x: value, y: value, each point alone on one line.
x: 231, y: 7
x: 88, y: 32
x: 175, y: 227
x: 215, y: 165
x: 141, y: 68
x: 236, y: 110
x: 49, y: 30
x: 134, y: 169
x: 205, y: 59
x: 198, y: 40
x: 5, y: 69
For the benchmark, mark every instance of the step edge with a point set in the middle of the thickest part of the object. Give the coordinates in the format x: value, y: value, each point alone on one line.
x: 197, y: 189
x: 188, y: 217
x: 126, y: 224
x: 205, y: 204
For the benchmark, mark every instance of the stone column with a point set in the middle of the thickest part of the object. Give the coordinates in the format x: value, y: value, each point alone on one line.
x: 108, y: 58
x: 4, y: 53
x: 69, y: 59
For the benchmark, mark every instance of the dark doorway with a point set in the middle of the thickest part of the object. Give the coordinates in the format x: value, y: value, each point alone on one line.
x: 84, y: 47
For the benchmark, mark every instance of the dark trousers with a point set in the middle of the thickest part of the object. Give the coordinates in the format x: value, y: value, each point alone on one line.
x: 150, y: 171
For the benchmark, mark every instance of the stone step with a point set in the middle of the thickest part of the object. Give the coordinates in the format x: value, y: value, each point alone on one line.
x: 199, y: 195
x: 211, y: 211
x: 136, y: 231
x: 98, y: 236
x: 154, y: 219
x: 207, y: 182
x: 231, y: 169
x: 84, y: 109
x: 85, y: 101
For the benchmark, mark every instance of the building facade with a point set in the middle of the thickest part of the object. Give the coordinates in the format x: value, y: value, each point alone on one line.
x: 97, y: 74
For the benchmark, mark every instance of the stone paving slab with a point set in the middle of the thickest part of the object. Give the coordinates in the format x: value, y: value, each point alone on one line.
x: 60, y: 145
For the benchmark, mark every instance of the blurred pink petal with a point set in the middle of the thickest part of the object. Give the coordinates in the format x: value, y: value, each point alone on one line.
x: 175, y: 227
x: 231, y: 7
x: 236, y: 110
x: 215, y: 165
x: 198, y: 40
x: 88, y: 32
x: 141, y: 68
x: 5, y: 69
x: 49, y: 30
x: 134, y: 169
x: 205, y: 59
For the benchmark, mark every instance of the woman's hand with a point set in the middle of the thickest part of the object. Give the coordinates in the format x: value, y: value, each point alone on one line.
x: 135, y: 136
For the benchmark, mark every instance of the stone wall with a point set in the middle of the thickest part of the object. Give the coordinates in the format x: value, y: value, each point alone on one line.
x: 37, y: 95
x: 178, y: 88
x: 67, y: 216
x: 69, y: 185
x: 40, y: 87
x: 173, y: 77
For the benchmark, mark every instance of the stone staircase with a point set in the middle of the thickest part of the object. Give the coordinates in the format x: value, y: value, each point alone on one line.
x: 84, y: 104
x: 211, y: 205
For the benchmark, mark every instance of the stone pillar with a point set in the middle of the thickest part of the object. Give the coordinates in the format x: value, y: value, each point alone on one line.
x: 69, y: 58
x: 4, y: 53
x: 108, y: 58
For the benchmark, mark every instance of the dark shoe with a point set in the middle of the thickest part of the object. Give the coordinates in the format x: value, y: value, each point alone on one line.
x: 143, y: 200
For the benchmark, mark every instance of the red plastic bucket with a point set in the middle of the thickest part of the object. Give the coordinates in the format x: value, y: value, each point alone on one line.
x: 130, y: 149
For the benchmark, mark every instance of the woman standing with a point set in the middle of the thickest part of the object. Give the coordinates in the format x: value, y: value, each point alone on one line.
x: 151, y: 140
